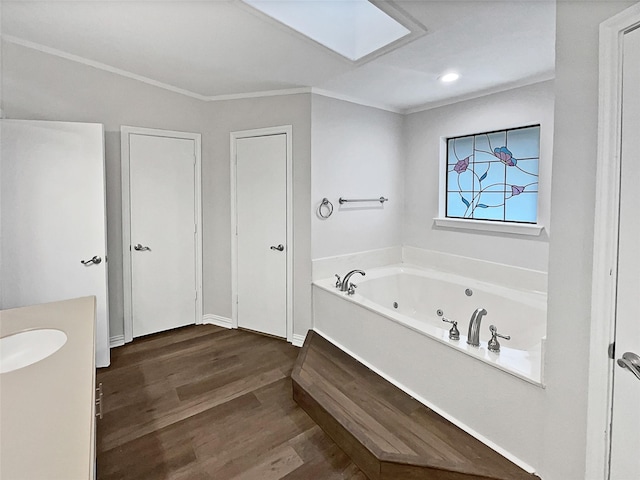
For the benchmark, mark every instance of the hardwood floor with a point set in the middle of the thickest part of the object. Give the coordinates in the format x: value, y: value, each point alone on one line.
x: 203, y: 402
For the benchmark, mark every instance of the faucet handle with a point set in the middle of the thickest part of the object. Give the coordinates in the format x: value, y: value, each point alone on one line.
x: 338, y: 281
x: 454, y: 333
x: 493, y: 345
x: 352, y: 289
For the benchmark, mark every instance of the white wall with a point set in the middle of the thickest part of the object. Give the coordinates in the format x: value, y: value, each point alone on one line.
x: 423, y: 135
x: 1, y: 113
x: 40, y: 86
x: 357, y: 152
x: 235, y: 115
x: 572, y: 220
x: 1, y: 116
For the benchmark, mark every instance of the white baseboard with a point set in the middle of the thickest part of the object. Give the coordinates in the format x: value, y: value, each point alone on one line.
x: 116, y: 341
x: 297, y: 340
x: 211, y: 319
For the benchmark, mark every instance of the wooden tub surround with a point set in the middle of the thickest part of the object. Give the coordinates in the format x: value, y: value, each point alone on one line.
x: 384, y: 431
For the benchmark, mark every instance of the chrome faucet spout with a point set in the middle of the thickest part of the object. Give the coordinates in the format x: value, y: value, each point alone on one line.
x: 473, y: 336
x: 345, y: 281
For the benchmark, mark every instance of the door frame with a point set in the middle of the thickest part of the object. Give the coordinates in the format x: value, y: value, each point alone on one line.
x: 262, y: 132
x: 125, y: 132
x: 605, y: 245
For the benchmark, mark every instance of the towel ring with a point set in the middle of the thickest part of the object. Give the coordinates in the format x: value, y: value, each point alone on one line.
x: 325, y: 203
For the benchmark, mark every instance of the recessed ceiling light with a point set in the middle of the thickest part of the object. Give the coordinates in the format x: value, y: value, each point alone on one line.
x: 353, y: 28
x: 449, y: 77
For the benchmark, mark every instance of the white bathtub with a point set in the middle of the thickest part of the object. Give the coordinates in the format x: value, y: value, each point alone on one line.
x: 411, y: 297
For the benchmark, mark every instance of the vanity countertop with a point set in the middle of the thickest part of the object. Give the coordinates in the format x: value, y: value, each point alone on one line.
x: 47, y: 427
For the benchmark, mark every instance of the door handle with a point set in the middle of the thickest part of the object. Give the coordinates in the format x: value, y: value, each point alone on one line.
x: 93, y: 261
x: 631, y: 362
x: 99, y: 401
x: 140, y: 248
x: 279, y: 247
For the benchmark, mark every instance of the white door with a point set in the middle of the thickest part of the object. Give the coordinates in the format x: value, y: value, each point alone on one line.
x: 53, y: 217
x: 163, y: 220
x: 625, y: 427
x: 261, y: 220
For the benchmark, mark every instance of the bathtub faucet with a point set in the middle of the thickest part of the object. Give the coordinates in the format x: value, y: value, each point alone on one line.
x: 344, y: 286
x: 473, y: 337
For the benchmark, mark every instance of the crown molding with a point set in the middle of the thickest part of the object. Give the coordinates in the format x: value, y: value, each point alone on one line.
x: 270, y: 93
x: 149, y: 81
x: 99, y: 65
x: 347, y: 98
x: 544, y: 77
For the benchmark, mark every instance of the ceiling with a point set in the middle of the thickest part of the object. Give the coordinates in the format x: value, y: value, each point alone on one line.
x: 214, y: 49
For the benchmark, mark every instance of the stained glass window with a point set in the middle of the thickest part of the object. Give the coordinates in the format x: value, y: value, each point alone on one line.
x: 494, y: 175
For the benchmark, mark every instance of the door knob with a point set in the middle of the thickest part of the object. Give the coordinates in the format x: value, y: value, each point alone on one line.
x: 140, y: 248
x: 93, y: 261
x: 279, y: 247
x: 631, y: 362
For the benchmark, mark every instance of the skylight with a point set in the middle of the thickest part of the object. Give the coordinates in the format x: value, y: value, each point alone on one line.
x: 352, y: 28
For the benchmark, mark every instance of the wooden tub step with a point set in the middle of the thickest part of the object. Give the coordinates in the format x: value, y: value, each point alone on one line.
x: 387, y: 434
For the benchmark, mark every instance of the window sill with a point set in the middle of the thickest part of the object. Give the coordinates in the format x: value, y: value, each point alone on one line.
x: 486, y: 226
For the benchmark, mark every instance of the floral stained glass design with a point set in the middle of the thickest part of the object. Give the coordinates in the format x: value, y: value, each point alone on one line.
x: 494, y: 175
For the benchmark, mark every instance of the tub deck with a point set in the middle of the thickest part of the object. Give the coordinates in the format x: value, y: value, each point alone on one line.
x: 388, y: 434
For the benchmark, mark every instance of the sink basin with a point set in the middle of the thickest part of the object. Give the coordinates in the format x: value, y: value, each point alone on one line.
x: 22, y: 349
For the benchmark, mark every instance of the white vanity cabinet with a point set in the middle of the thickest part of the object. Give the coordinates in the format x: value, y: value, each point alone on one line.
x: 47, y: 409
